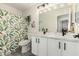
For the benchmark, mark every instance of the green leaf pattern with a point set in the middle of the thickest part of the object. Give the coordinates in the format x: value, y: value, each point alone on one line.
x: 13, y: 29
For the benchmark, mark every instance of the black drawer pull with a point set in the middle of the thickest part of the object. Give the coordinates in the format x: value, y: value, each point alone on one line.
x: 64, y: 46
x: 59, y: 45
x: 36, y: 40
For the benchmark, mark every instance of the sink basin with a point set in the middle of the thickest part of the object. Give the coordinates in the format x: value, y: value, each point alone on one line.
x: 59, y: 35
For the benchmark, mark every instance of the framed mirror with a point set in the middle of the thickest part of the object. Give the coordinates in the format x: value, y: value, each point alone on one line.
x: 56, y: 18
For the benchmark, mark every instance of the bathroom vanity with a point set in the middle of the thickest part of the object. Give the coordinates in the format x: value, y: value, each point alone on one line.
x: 55, y: 45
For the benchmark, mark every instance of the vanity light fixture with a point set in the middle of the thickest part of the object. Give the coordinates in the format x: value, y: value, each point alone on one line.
x: 47, y: 7
x: 42, y: 5
x: 54, y: 5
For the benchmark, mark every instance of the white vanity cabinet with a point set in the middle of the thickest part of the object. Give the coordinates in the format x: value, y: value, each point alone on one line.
x: 70, y: 48
x: 42, y: 47
x: 39, y: 46
x: 62, y: 48
x: 34, y: 46
x: 54, y: 47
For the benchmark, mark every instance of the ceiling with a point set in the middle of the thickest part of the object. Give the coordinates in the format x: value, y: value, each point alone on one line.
x: 27, y: 6
x: 21, y: 6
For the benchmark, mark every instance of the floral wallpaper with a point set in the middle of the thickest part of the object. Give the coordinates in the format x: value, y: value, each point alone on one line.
x: 13, y: 29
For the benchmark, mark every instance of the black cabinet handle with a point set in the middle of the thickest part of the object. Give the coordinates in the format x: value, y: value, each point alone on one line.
x: 36, y: 40
x: 59, y: 45
x: 64, y: 46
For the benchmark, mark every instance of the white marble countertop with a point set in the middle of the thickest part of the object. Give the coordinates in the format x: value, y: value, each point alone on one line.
x: 57, y: 36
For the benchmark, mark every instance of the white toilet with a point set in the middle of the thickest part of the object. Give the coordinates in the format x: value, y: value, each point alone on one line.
x: 25, y: 45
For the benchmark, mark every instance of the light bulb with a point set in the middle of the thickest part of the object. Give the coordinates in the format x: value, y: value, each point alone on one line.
x: 48, y: 9
x: 40, y: 12
x: 44, y: 10
x: 78, y: 24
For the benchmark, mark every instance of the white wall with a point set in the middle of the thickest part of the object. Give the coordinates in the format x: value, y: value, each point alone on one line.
x: 33, y: 12
x: 10, y: 9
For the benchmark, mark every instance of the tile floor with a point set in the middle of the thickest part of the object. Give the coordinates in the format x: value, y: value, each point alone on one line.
x: 22, y: 54
x: 18, y: 53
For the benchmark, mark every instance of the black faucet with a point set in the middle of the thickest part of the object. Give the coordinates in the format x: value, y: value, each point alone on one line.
x: 76, y: 36
x: 64, y: 31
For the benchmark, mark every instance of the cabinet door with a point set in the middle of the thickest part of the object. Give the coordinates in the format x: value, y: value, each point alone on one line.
x: 70, y: 49
x: 42, y: 46
x: 34, y: 46
x: 54, y: 47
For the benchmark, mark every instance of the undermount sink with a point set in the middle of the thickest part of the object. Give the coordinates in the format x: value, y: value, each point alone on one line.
x: 59, y: 35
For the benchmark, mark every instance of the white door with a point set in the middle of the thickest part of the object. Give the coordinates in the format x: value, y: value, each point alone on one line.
x: 42, y: 46
x: 34, y: 46
x: 54, y: 47
x: 70, y: 49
